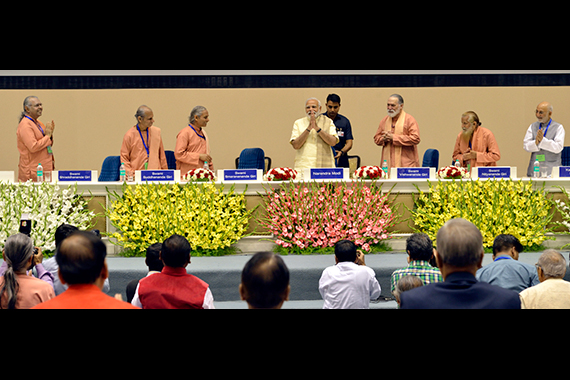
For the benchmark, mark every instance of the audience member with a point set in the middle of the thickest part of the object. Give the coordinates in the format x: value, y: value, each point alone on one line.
x: 81, y: 259
x: 459, y: 255
x: 420, y: 251
x: 350, y: 284
x: 506, y: 271
x: 50, y: 264
x: 406, y: 283
x: 154, y: 264
x: 553, y: 292
x: 265, y: 282
x: 18, y: 290
x: 174, y: 288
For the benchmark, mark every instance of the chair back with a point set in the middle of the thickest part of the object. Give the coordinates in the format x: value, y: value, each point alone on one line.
x: 431, y: 159
x: 110, y: 169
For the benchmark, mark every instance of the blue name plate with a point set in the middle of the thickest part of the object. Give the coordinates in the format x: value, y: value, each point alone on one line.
x: 493, y: 172
x: 74, y: 176
x: 241, y: 175
x: 413, y: 173
x: 564, y: 171
x: 331, y: 173
x: 157, y: 175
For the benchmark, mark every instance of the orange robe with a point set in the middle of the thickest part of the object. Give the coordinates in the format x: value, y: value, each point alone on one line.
x: 408, y: 141
x: 484, y: 143
x: 133, y: 152
x: 33, y: 148
x: 188, y: 148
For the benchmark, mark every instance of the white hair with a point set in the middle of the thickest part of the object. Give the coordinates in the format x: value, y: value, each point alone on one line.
x: 307, y: 101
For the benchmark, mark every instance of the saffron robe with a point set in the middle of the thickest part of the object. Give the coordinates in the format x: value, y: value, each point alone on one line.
x: 188, y: 148
x: 483, y: 142
x: 402, y: 152
x: 133, y: 152
x: 33, y: 148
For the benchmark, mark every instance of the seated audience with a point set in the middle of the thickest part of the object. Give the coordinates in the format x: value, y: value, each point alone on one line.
x: 154, y: 264
x: 18, y: 290
x: 174, y: 288
x: 553, y: 292
x: 81, y: 259
x: 406, y: 283
x: 420, y: 252
x: 265, y: 282
x: 350, y: 284
x: 506, y: 271
x: 459, y: 255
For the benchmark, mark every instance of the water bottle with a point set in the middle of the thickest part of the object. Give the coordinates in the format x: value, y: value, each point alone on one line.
x: 122, y: 173
x: 457, y: 164
x: 40, y: 173
x: 385, y: 167
x: 536, y: 169
x: 206, y: 166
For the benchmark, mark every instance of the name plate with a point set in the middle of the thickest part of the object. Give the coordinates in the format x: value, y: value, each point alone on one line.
x: 561, y: 172
x: 495, y: 172
x: 75, y: 175
x: 156, y: 175
x: 326, y: 173
x: 232, y: 175
x: 413, y: 173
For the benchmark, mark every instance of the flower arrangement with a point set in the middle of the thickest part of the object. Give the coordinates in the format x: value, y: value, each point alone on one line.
x: 453, y: 172
x: 49, y: 206
x: 370, y: 172
x: 494, y: 206
x: 199, y: 175
x: 210, y: 219
x: 564, y: 209
x: 281, y: 174
x: 307, y: 217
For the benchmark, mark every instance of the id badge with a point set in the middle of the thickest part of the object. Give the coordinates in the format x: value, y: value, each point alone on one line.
x: 50, y: 150
x: 340, y: 133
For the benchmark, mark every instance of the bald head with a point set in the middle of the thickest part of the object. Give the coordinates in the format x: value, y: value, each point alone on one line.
x: 553, y: 264
x: 145, y: 117
x: 81, y: 258
x: 459, y: 243
x: 544, y: 112
x: 265, y: 281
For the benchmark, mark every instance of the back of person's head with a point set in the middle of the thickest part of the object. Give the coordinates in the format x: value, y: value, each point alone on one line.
x: 459, y: 243
x: 553, y: 264
x: 504, y: 243
x: 17, y: 252
x: 153, y: 261
x: 419, y: 247
x: 81, y: 258
x: 265, y: 281
x: 62, y: 232
x: 407, y: 283
x: 345, y: 250
x: 176, y: 251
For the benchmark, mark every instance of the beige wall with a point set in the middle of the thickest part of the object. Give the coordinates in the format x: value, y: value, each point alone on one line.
x: 90, y: 124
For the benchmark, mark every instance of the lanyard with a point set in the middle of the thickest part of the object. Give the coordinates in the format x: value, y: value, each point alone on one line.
x: 146, y: 147
x: 37, y: 125
x: 503, y: 258
x: 199, y: 135
x: 546, y: 130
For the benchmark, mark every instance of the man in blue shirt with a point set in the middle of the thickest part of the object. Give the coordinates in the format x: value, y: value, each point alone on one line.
x: 343, y: 130
x: 506, y: 271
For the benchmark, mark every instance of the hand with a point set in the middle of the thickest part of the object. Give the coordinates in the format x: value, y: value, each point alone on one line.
x: 338, y: 155
x: 539, y: 136
x: 50, y: 127
x: 470, y: 155
x: 360, y: 257
x: 39, y: 257
x: 206, y: 158
x: 388, y: 137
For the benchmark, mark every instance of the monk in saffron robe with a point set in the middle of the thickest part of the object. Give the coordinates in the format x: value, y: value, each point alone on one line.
x: 399, y: 135
x: 475, y: 145
x: 142, y: 147
x: 35, y: 141
x: 192, y: 144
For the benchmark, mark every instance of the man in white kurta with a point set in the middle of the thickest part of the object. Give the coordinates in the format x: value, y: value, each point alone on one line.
x: 313, y: 138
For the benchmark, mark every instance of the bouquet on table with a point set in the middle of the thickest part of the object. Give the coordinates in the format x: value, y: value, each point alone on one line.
x: 370, y: 172
x: 281, y: 174
x: 198, y: 175
x: 452, y: 172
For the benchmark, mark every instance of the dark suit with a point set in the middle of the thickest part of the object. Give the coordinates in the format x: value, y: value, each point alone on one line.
x: 460, y: 291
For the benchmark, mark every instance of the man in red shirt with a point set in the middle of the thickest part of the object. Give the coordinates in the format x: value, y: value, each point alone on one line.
x: 82, y: 265
x: 174, y: 288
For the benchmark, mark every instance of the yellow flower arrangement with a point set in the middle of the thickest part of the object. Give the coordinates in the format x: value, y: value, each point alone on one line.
x: 146, y: 214
x: 494, y: 206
